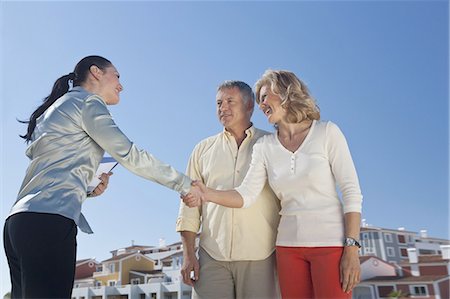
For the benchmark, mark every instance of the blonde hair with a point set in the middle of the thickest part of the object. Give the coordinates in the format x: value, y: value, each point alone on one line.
x: 294, y: 94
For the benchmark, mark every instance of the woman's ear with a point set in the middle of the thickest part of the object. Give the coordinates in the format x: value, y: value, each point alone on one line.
x: 95, y: 71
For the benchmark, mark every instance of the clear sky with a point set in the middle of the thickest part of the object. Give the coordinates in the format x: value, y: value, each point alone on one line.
x: 380, y: 70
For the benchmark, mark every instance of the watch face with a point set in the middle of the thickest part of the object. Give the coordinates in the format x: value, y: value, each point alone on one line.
x: 351, y: 242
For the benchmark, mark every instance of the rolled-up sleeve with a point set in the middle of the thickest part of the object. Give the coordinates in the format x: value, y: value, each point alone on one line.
x: 100, y: 126
x: 343, y: 169
x: 256, y: 177
x: 189, y: 218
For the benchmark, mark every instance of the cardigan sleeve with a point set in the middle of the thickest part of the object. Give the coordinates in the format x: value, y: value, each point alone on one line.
x: 256, y: 176
x: 343, y: 169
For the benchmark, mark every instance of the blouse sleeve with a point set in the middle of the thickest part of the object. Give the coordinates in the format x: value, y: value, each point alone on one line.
x: 343, y: 169
x: 256, y: 176
x: 100, y: 126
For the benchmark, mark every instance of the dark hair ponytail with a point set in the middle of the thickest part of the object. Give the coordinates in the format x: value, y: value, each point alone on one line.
x: 61, y: 87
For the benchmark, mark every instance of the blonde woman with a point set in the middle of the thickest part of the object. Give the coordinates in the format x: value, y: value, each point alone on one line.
x: 303, y: 161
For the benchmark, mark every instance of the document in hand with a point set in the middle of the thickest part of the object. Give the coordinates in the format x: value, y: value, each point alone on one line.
x: 106, y: 165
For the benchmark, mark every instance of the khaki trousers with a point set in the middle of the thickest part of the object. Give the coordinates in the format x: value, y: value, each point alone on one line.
x: 236, y: 280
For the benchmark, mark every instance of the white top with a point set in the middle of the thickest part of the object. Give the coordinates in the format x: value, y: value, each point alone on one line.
x: 305, y: 182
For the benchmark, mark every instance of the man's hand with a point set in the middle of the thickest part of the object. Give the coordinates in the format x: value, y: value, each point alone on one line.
x: 190, y: 265
x: 196, y: 196
x: 102, y: 186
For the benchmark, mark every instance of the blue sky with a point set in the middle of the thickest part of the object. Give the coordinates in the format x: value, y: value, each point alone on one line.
x: 380, y: 70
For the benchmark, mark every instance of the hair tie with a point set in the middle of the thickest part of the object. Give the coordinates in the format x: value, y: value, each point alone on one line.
x: 72, y: 76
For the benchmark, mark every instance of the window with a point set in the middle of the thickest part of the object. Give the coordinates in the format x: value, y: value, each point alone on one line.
x: 418, y: 290
x: 369, y: 250
x: 401, y: 239
x: 384, y: 291
x: 365, y: 243
x: 403, y: 252
x: 98, y: 283
x: 111, y: 267
x: 365, y: 236
x: 388, y: 237
x: 135, y: 281
x: 111, y: 283
x: 390, y: 251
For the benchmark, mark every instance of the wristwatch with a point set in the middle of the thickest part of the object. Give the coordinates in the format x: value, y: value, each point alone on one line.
x: 351, y: 242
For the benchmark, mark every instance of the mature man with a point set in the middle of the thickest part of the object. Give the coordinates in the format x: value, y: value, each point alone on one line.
x: 236, y: 254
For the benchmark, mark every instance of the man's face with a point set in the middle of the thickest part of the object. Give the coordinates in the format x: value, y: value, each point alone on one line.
x: 231, y: 108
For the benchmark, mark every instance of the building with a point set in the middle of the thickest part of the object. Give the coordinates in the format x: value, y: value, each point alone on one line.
x: 394, y: 263
x: 84, y: 271
x: 420, y: 276
x: 392, y: 245
x: 140, y: 272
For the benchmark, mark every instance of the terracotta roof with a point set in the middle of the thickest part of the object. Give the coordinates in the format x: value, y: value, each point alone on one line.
x: 178, y: 252
x: 364, y: 258
x: 437, y: 239
x: 138, y: 247
x: 398, y: 279
x: 432, y: 258
x: 79, y: 262
x: 119, y: 257
x: 148, y: 272
x: 366, y: 228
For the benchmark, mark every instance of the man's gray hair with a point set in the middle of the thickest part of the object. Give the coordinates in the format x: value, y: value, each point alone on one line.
x: 245, y: 90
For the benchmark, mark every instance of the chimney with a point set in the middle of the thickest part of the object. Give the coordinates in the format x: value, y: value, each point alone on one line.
x: 162, y: 242
x: 363, y: 223
x: 445, y: 249
x: 413, y: 259
x: 401, y: 228
x: 412, y: 255
x: 423, y: 233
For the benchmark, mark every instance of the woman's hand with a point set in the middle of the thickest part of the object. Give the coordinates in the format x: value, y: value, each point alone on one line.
x: 349, y: 268
x: 102, y: 186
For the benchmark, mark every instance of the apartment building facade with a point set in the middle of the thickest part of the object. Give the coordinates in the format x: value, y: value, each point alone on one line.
x: 392, y: 245
x: 393, y: 262
x: 137, y: 272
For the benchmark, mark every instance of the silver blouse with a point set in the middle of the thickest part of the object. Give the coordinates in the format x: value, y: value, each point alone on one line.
x: 67, y: 146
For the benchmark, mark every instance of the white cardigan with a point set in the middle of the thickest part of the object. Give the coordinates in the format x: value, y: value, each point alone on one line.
x: 305, y: 182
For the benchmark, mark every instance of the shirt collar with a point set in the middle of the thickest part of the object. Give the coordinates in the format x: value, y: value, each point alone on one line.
x: 250, y: 132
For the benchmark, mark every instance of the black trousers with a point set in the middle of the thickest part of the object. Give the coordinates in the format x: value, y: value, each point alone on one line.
x: 41, y: 252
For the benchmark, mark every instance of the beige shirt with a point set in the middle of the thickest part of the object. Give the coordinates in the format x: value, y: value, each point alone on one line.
x: 230, y: 234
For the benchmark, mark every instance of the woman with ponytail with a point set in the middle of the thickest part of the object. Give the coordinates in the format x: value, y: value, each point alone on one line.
x: 67, y: 136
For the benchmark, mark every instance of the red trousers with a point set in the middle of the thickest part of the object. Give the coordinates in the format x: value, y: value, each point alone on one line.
x: 310, y: 272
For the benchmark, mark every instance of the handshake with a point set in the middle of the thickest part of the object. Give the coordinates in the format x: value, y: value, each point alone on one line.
x: 196, y: 196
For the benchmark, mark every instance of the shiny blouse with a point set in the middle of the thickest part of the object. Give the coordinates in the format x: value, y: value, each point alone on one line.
x: 67, y: 146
